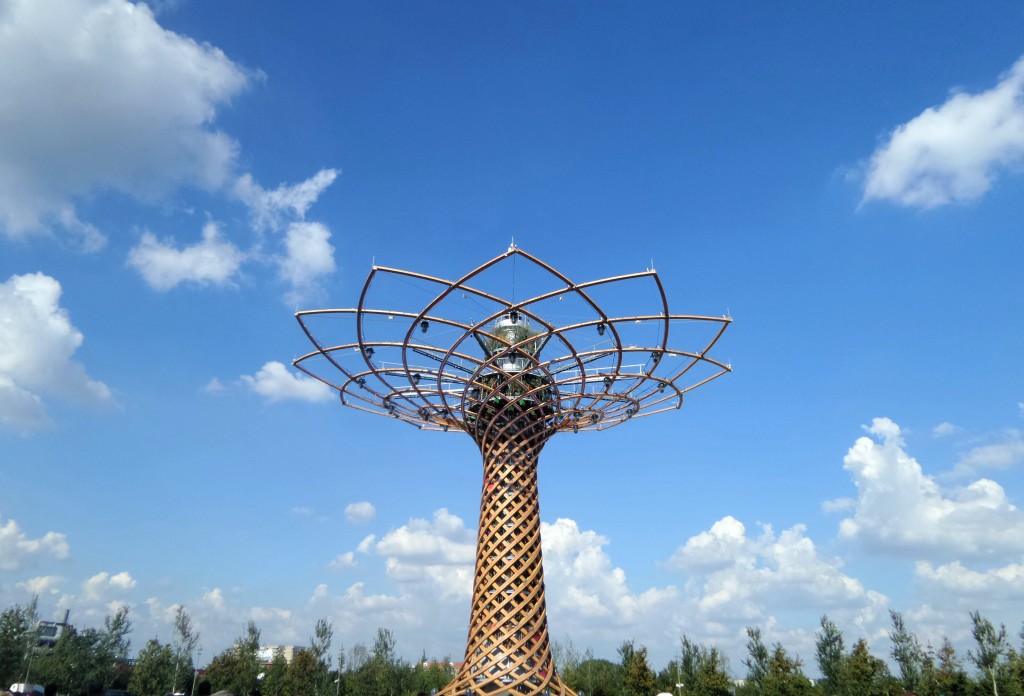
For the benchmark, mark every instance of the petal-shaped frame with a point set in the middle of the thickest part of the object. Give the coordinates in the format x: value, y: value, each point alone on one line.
x: 592, y: 377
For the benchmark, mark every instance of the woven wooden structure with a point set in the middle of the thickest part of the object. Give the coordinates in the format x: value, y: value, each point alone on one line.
x: 507, y: 374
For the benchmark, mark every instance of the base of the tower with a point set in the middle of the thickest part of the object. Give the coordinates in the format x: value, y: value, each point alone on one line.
x: 465, y: 685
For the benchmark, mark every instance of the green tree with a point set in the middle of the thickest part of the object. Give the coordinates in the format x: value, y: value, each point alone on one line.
x: 596, y: 677
x: 785, y: 676
x: 950, y: 677
x: 74, y: 663
x: 864, y: 674
x: 831, y: 653
x: 154, y: 669
x: 88, y: 657
x: 237, y: 668
x: 18, y: 636
x: 319, y: 647
x: 637, y: 677
x: 186, y: 640
x: 428, y: 675
x: 275, y: 678
x: 992, y: 646
x: 381, y: 673
x: 301, y: 677
x: 701, y: 670
x: 907, y: 653
x: 758, y: 659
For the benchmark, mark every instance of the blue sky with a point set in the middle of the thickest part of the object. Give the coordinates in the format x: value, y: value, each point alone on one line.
x: 845, y: 181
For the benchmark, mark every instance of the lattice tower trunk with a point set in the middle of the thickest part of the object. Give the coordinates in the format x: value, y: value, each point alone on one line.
x: 508, y: 649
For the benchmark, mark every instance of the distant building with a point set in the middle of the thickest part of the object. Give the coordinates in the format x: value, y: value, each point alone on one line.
x: 50, y: 631
x: 267, y: 653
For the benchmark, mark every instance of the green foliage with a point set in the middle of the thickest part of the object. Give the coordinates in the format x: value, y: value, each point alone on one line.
x: 302, y: 675
x: 992, y: 646
x: 758, y: 661
x: 186, y: 640
x: 863, y: 674
x: 784, y: 675
x: 275, y: 677
x: 701, y: 670
x: 947, y: 676
x: 907, y: 653
x: 428, y: 675
x: 595, y: 677
x: 154, y: 670
x: 637, y: 677
x: 319, y: 648
x: 382, y: 673
x: 18, y: 635
x: 237, y: 668
x: 830, y: 651
x: 88, y: 657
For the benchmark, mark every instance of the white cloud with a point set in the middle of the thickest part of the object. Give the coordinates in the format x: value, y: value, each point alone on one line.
x: 366, y: 545
x: 214, y: 599
x: 99, y: 97
x: 275, y: 382
x: 583, y: 585
x: 100, y: 586
x: 944, y: 429
x: 999, y: 455
x: 739, y: 578
x: 308, y: 256
x: 302, y: 511
x: 360, y: 512
x: 439, y: 552
x: 214, y: 386
x: 37, y: 342
x: 211, y: 261
x: 997, y: 583
x: 343, y: 561
x: 18, y: 551
x: 716, y: 548
x: 270, y: 208
x: 952, y: 153
x: 443, y: 540
x: 44, y: 584
x: 838, y: 505
x: 900, y: 509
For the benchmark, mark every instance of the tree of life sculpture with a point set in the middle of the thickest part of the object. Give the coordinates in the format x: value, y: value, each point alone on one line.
x: 510, y: 373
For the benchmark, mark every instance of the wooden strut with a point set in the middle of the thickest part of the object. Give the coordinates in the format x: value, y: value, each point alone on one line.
x: 492, y: 383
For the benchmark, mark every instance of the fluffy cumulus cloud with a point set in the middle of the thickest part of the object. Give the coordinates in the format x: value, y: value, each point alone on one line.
x: 586, y: 589
x: 952, y: 153
x: 37, y: 343
x: 734, y: 577
x: 211, y: 261
x: 99, y: 97
x: 437, y: 553
x: 306, y: 254
x: 360, y: 512
x: 899, y: 508
x: 18, y: 551
x: 103, y: 586
x: 1002, y: 584
x: 308, y: 257
x: 275, y: 382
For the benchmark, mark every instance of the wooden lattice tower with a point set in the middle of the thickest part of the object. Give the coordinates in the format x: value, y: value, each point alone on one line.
x: 511, y: 378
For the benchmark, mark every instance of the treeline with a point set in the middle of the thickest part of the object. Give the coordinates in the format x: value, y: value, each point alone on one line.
x: 83, y: 661
x: 924, y: 670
